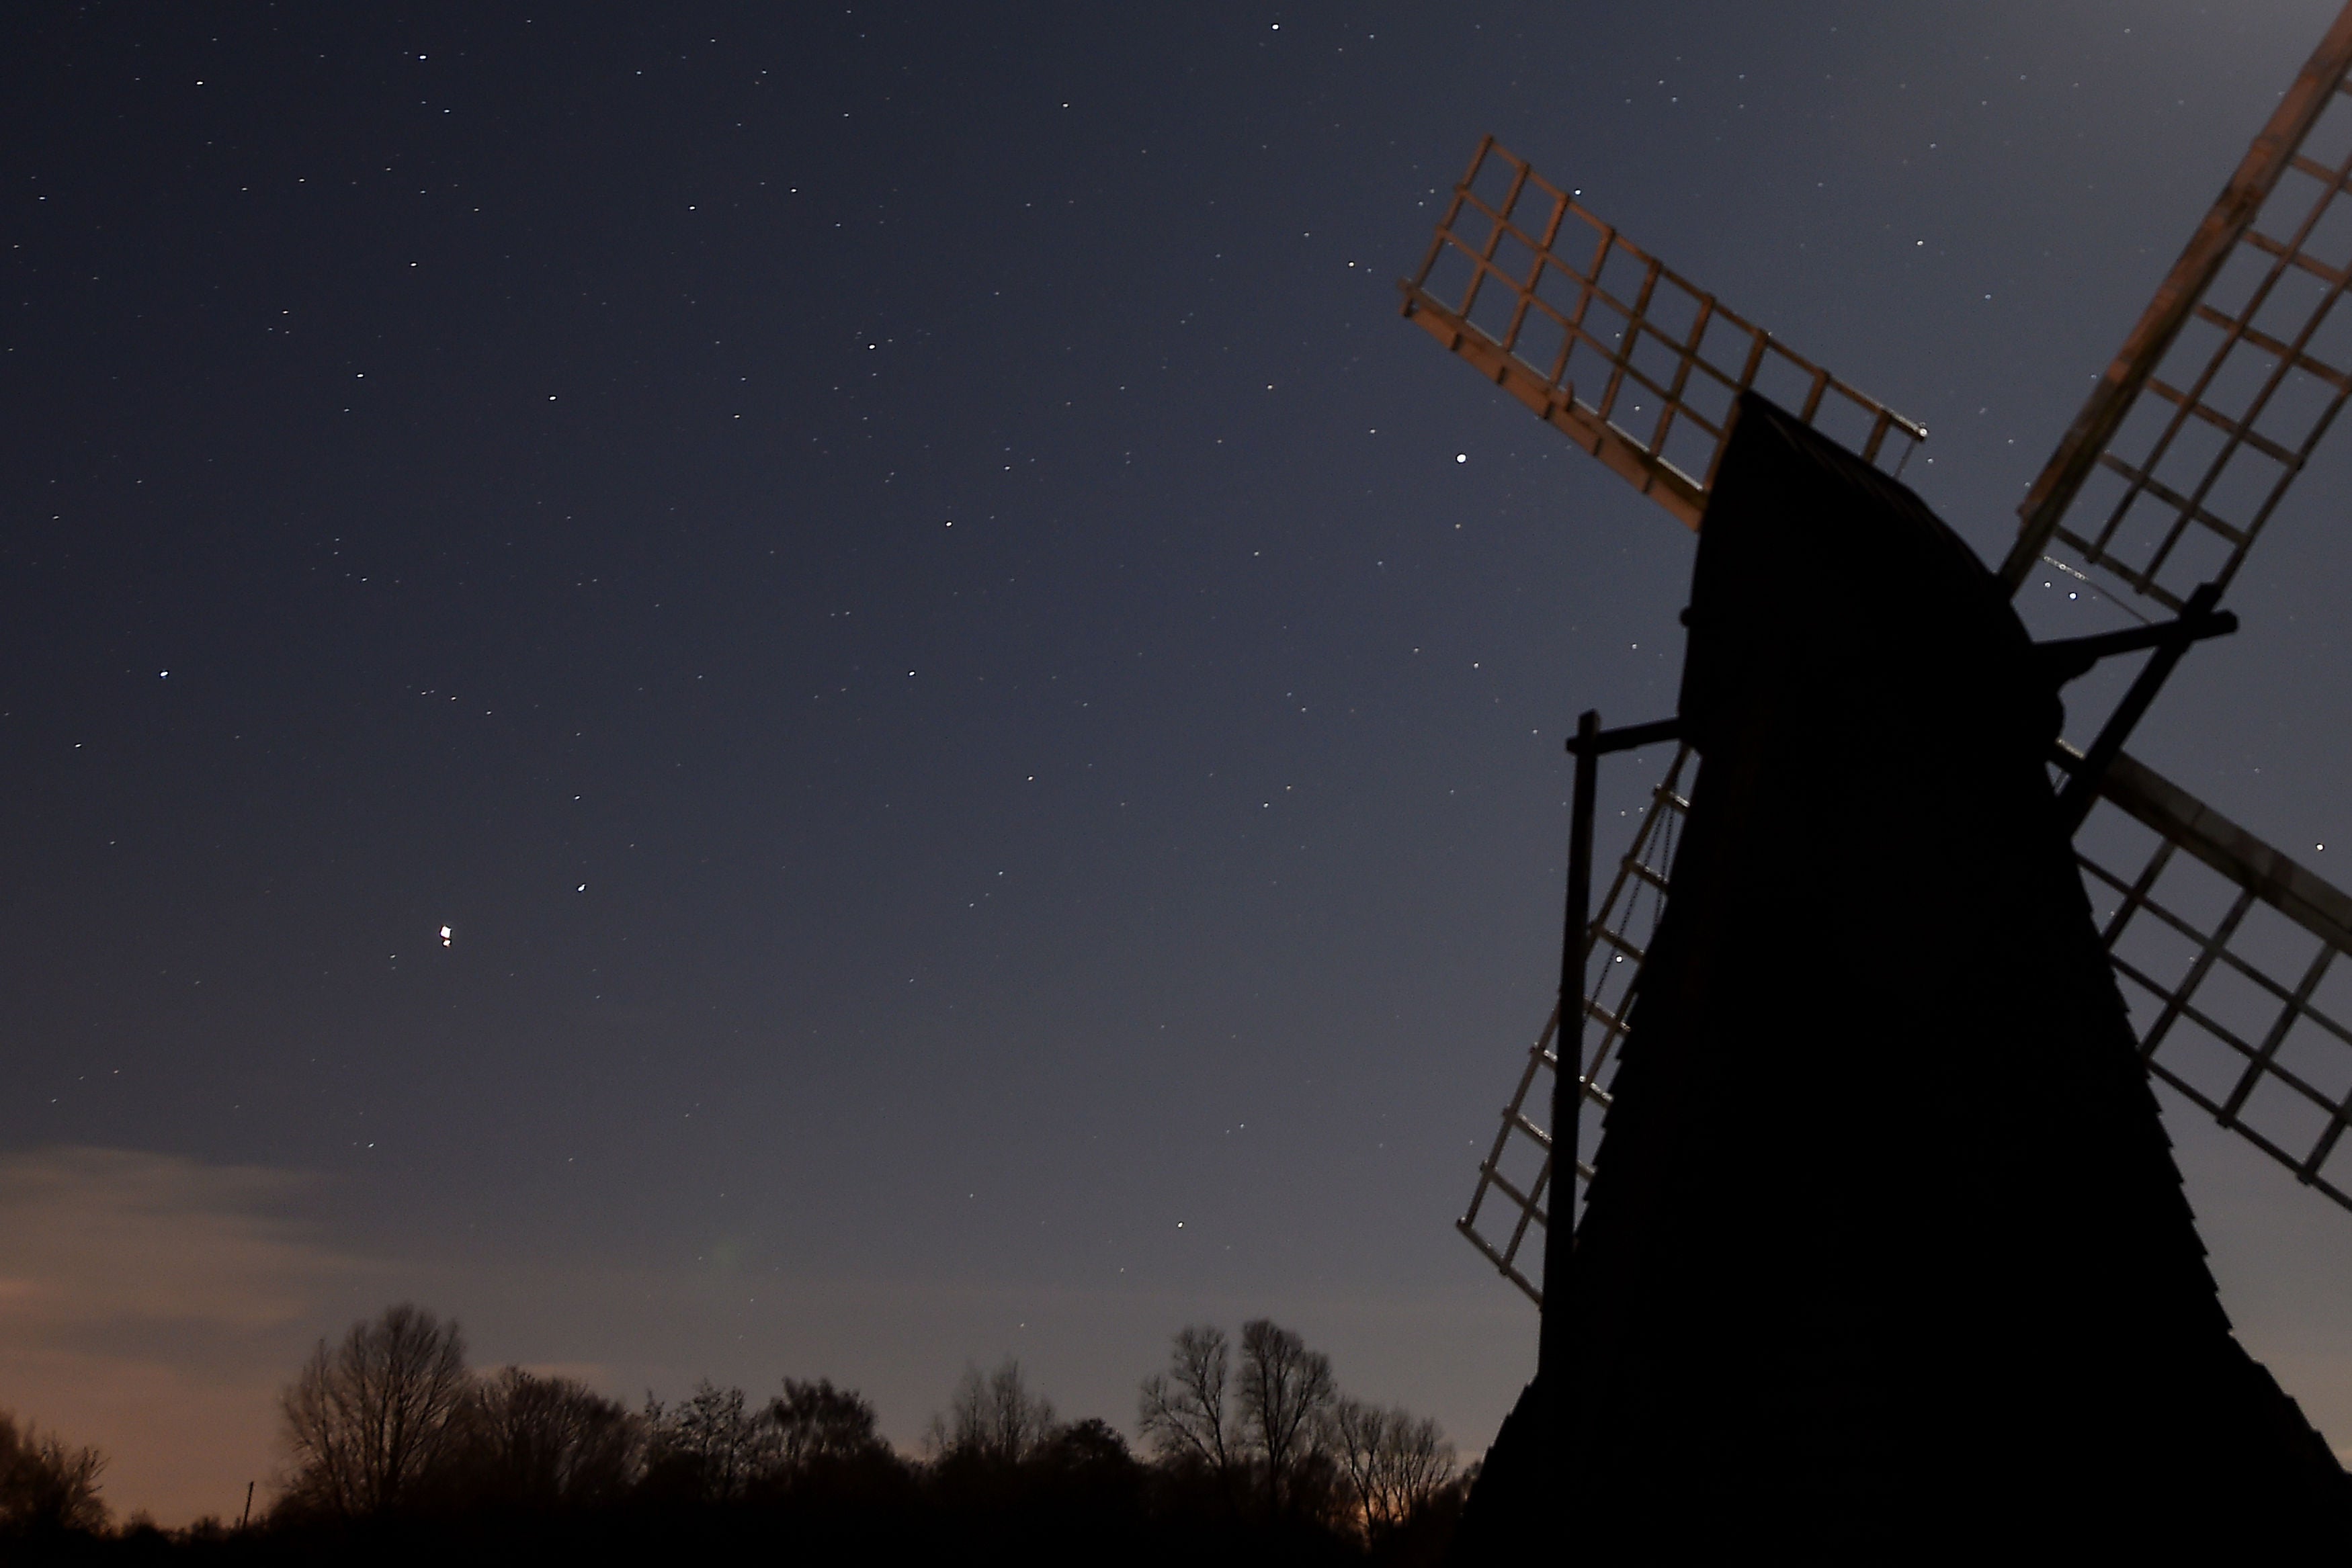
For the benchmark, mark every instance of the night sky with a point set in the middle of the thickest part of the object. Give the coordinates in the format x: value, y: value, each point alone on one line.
x: 983, y: 718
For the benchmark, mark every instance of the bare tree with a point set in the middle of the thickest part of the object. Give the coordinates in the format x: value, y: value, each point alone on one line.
x: 549, y: 1441
x: 995, y: 1419
x: 816, y: 1424
x: 708, y: 1442
x: 1183, y: 1411
x: 365, y: 1422
x: 1420, y: 1463
x: 1394, y: 1464
x: 1285, y: 1390
x: 46, y: 1486
x: 1353, y: 1432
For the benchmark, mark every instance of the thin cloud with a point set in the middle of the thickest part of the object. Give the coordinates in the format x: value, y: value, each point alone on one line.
x: 98, y: 1236
x: 152, y: 1305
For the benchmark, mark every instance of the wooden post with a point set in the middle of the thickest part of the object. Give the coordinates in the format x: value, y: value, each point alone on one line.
x: 1553, y: 1347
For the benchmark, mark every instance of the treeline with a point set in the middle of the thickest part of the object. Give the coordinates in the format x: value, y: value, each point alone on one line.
x: 394, y: 1450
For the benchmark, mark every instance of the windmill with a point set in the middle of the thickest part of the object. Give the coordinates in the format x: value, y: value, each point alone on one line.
x: 2184, y: 452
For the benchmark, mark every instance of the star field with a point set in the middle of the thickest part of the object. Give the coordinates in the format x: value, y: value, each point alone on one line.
x: 742, y: 694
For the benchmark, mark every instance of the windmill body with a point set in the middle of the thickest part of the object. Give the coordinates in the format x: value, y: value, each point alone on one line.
x: 1909, y: 1244
x: 1895, y: 1302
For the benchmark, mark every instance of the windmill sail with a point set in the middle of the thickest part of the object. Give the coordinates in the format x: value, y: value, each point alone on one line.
x: 1510, y: 1208
x: 2232, y: 957
x: 2228, y: 950
x: 2230, y: 377
x: 1623, y: 356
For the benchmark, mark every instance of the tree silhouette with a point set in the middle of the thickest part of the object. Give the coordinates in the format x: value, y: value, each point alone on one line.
x: 1256, y: 1457
x: 708, y: 1446
x: 994, y: 1419
x: 365, y: 1423
x: 1394, y: 1464
x: 1183, y: 1411
x: 548, y: 1442
x: 1091, y: 1445
x: 1285, y: 1390
x: 816, y: 1423
x: 46, y: 1486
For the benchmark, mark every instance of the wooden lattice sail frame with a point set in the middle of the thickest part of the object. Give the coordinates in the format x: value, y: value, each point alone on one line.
x: 1608, y: 345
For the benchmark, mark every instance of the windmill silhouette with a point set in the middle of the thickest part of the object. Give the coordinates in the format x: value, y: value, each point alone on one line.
x: 1909, y: 1244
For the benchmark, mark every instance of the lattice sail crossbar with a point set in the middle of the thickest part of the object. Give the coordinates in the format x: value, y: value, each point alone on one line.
x: 2228, y: 957
x: 1513, y: 1195
x: 1621, y: 354
x: 2232, y: 374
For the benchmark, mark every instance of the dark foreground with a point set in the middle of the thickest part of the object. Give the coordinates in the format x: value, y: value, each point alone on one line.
x: 1037, y: 1531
